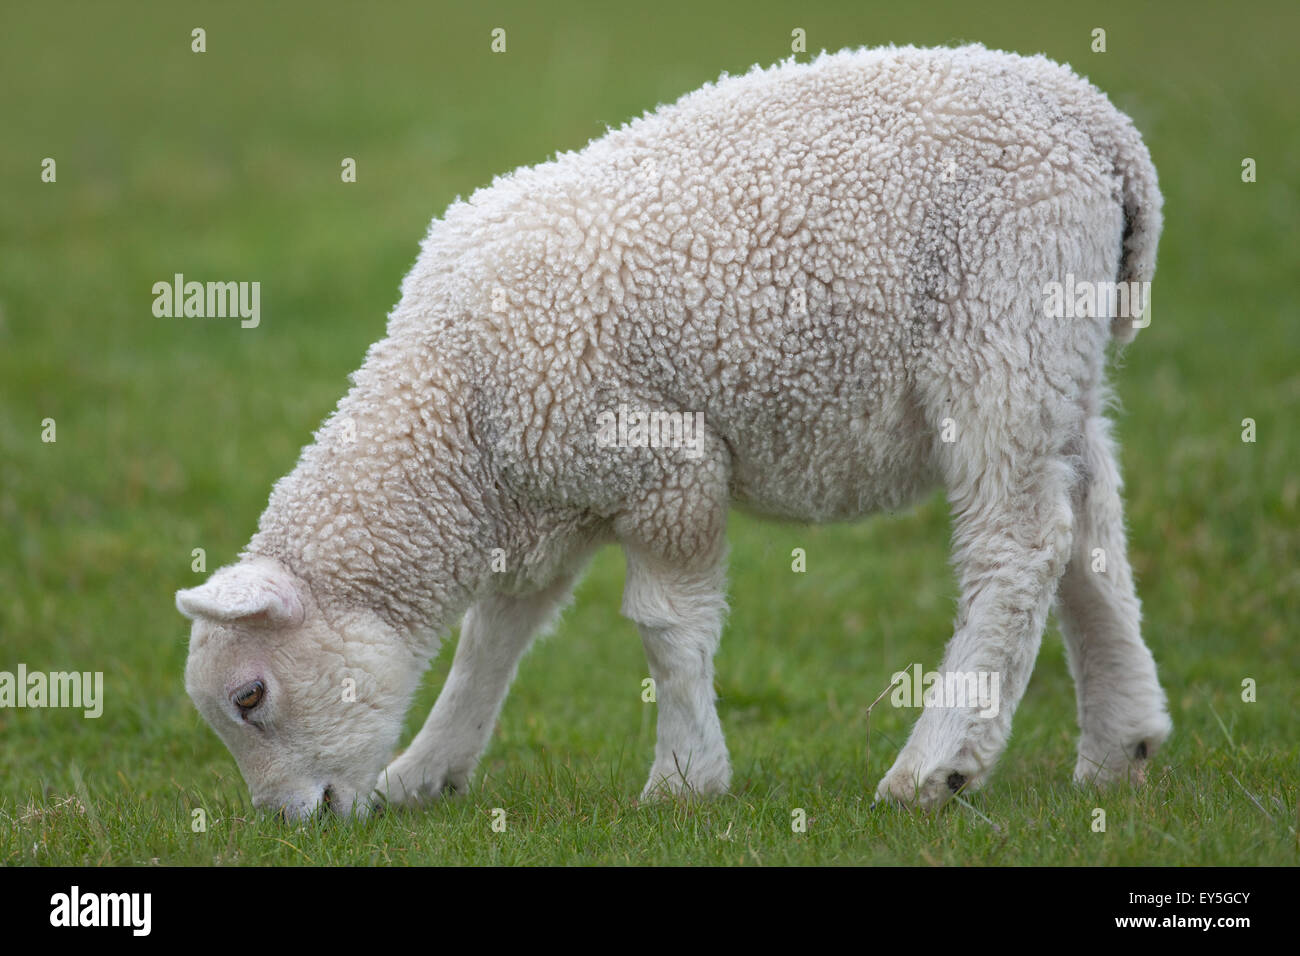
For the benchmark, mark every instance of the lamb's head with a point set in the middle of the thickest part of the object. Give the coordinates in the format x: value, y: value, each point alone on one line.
x: 310, y: 702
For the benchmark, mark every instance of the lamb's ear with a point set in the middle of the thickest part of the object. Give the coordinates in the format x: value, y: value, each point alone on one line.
x: 251, y: 589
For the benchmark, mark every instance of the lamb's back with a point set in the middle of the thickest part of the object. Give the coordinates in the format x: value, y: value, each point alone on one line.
x: 781, y: 251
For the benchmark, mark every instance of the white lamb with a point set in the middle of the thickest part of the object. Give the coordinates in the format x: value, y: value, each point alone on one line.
x: 842, y: 266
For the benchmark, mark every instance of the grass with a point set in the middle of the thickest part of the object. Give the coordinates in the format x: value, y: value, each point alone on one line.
x: 170, y: 433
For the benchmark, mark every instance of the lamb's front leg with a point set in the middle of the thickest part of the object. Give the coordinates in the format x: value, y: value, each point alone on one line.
x: 494, y: 635
x: 675, y: 540
x: 679, y: 613
x: 1012, y: 540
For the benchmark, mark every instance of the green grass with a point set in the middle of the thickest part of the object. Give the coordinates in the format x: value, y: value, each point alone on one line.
x: 171, y: 432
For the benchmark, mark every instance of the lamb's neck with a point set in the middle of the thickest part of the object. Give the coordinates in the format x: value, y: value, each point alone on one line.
x: 386, y: 510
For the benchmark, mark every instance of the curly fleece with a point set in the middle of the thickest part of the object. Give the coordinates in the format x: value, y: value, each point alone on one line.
x: 841, y: 265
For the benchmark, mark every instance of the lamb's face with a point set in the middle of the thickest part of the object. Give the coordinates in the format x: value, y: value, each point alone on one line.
x: 311, y: 709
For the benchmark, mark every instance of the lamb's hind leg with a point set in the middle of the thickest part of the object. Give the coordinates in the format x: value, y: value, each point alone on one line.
x: 493, y: 637
x: 1122, y: 714
x: 1010, y: 490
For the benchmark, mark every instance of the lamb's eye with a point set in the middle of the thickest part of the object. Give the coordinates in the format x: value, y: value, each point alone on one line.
x: 250, y: 695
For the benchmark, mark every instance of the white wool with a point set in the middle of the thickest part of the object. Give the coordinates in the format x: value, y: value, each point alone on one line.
x: 841, y: 266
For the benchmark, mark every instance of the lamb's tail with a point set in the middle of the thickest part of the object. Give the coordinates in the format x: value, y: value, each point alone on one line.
x: 1140, y: 195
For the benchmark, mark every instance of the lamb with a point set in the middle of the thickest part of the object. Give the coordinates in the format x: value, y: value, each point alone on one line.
x: 836, y: 268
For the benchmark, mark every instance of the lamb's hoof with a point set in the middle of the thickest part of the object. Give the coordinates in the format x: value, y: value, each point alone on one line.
x: 924, y: 790
x: 672, y: 787
x: 1114, y: 766
x: 1123, y: 760
x: 407, y: 787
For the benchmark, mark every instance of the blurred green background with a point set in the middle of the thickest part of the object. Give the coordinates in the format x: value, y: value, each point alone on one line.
x: 226, y: 165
